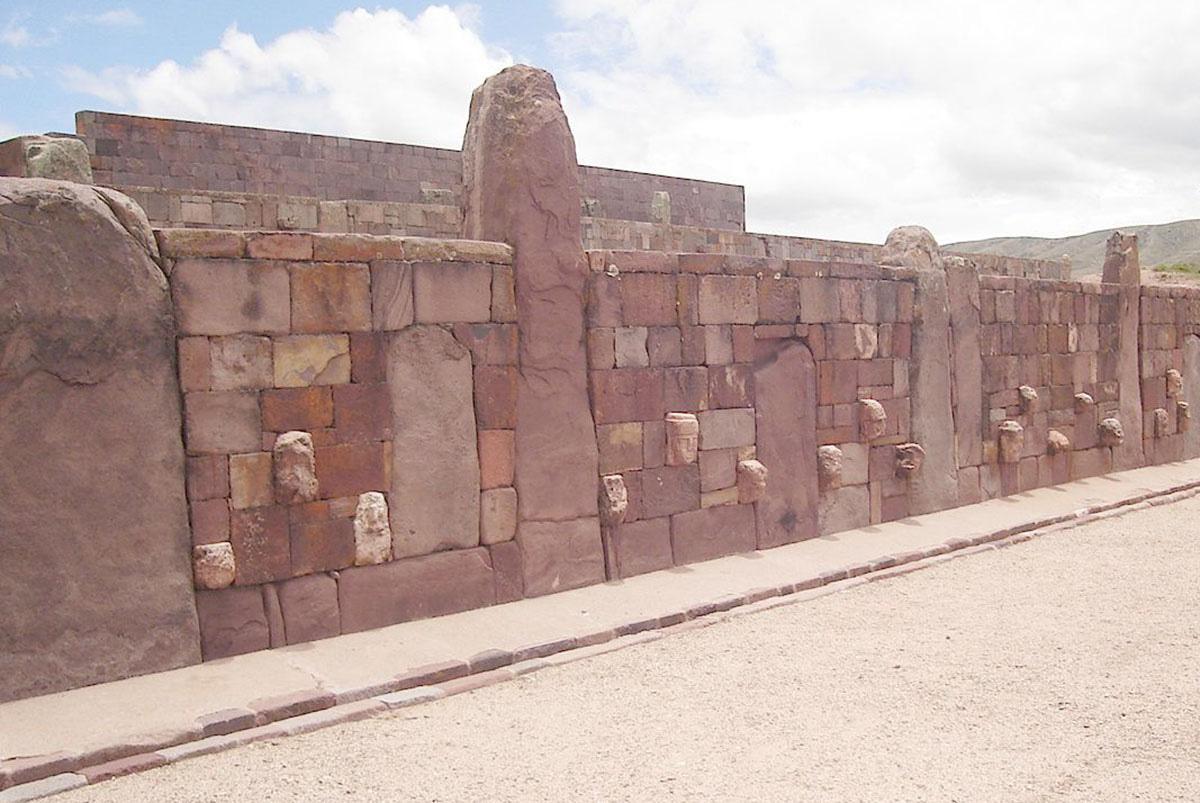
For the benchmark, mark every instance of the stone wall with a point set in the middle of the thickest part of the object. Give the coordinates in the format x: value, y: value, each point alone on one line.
x: 348, y: 412
x: 1169, y: 368
x: 131, y: 151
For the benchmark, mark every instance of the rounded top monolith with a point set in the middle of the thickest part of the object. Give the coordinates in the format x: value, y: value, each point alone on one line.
x: 911, y: 247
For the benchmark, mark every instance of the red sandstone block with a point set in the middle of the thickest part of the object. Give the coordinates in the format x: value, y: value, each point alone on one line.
x: 122, y: 766
x: 560, y: 555
x: 225, y: 721
x: 627, y: 394
x: 279, y: 245
x: 210, y: 521
x: 227, y: 297
x: 349, y: 469
x: 496, y: 397
x: 728, y: 299
x: 221, y: 422
x: 452, y: 292
x: 294, y: 704
x: 496, y: 456
x: 232, y: 622
x: 362, y: 412
x: 26, y: 769
x: 654, y: 443
x: 701, y: 263
x: 687, y: 299
x: 195, y: 371
x: 330, y: 298
x: 837, y: 381
x: 664, y: 346
x: 670, y: 489
x: 508, y: 568
x: 356, y: 247
x: 601, y: 348
x: 321, y: 546
x: 745, y: 345
x: 685, y: 390
x: 643, y: 546
x: 310, y: 607
x: 648, y: 299
x: 490, y: 343
x: 504, y: 295
x: 192, y: 243
x: 731, y: 385
x: 415, y: 588
x: 604, y: 301
x: 260, y: 544
x: 633, y: 489
x: 368, y: 357
x: 693, y: 350
x: 713, y: 532
x: 778, y: 299
x: 306, y: 409
x: 207, y: 477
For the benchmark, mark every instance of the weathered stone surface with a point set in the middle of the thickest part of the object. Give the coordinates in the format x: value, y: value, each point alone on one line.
x: 1183, y: 416
x: 261, y: 544
x: 683, y: 438
x: 1112, y: 434
x: 726, y: 429
x: 228, y: 297
x: 1057, y: 442
x: 521, y: 186
x: 416, y: 588
x: 909, y: 459
x: 614, y: 500
x: 295, y: 468
x: 560, y: 555
x: 304, y: 360
x: 89, y: 414
x: 1028, y: 398
x: 1011, y: 441
x: 46, y: 157
x: 829, y: 467
x: 330, y: 297
x: 1174, y: 384
x: 391, y: 295
x: 435, y: 470
x: 872, y: 420
x: 786, y: 390
x: 212, y: 565
x: 232, y: 621
x: 497, y: 515
x: 372, y: 530
x: 222, y: 422
x: 1162, y: 423
x: 1191, y: 388
x: 1083, y: 403
x: 310, y: 608
x: 1121, y: 266
x: 643, y: 546
x: 751, y: 481
x: 845, y: 508
x: 962, y: 296
x: 712, y: 532
x: 240, y: 362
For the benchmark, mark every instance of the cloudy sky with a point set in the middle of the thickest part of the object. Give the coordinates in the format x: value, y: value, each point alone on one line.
x: 842, y: 118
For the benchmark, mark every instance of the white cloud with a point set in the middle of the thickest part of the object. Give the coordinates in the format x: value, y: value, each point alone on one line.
x: 14, y: 71
x: 844, y: 118
x: 374, y: 74
x: 113, y: 18
x: 14, y: 34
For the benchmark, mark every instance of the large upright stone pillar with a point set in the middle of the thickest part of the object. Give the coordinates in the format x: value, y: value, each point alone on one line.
x: 935, y: 487
x: 1121, y: 266
x: 521, y: 186
x: 95, y: 554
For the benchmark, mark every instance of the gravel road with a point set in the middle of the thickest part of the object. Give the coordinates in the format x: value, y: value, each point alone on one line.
x: 1067, y: 668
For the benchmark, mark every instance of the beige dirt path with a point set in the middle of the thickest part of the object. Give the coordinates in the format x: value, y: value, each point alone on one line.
x: 1066, y: 668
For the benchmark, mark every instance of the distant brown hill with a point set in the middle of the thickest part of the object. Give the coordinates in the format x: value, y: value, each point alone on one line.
x: 1161, y: 244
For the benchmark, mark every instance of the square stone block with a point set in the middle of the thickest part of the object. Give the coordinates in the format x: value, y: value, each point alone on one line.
x: 452, y: 292
x: 718, y: 344
x: 222, y: 422
x: 228, y: 297
x: 232, y: 622
x: 496, y: 455
x: 362, y: 412
x: 713, y: 532
x: 620, y: 447
x: 648, y: 299
x: 685, y: 390
x: 728, y: 299
x: 725, y: 429
x: 210, y: 521
x: 559, y: 555
x: 305, y: 409
x: 643, y: 546
x: 310, y: 608
x: 322, y: 545
x: 731, y: 385
x: 304, y: 360
x: 664, y: 346
x: 718, y: 469
x: 415, y: 588
x: 778, y: 299
x: 630, y: 346
x: 331, y: 297
x: 349, y: 469
x: 261, y: 546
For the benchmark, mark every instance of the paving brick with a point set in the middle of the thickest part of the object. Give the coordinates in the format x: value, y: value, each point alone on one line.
x: 122, y: 766
x: 293, y: 704
x: 349, y: 469
x: 261, y: 547
x: 451, y: 292
x: 225, y: 721
x: 728, y: 299
x: 221, y: 422
x: 362, y: 412
x: 496, y: 456
x: 227, y: 297
x: 304, y: 360
x: 328, y: 297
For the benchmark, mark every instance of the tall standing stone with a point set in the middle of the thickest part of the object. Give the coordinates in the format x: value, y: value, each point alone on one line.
x: 95, y: 553
x: 1122, y: 267
x: 521, y: 186
x: 1191, y: 394
x: 936, y: 486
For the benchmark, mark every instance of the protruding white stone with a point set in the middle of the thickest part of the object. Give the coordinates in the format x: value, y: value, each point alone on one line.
x: 751, y: 481
x: 872, y: 419
x: 829, y: 467
x: 295, y: 468
x: 213, y: 565
x: 372, y: 531
x: 614, y: 500
x: 1012, y: 441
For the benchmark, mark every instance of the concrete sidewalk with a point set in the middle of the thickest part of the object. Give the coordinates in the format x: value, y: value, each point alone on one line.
x: 88, y: 734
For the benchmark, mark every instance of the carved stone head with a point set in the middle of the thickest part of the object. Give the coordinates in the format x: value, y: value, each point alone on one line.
x: 909, y: 459
x: 829, y: 467
x: 1174, y: 384
x: 872, y: 419
x: 614, y: 500
x: 751, y: 481
x: 1111, y: 432
x: 1162, y: 422
x: 1029, y: 399
x: 683, y: 438
x: 1011, y: 441
x: 1057, y: 443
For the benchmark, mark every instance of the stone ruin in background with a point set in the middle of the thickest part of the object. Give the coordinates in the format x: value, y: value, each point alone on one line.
x: 236, y: 416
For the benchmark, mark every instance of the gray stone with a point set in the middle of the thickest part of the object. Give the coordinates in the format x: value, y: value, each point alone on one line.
x: 46, y: 156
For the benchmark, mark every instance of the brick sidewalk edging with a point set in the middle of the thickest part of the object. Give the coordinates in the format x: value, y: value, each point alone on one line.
x: 313, y: 709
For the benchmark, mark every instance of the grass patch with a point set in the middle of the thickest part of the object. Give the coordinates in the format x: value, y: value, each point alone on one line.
x: 1178, y: 267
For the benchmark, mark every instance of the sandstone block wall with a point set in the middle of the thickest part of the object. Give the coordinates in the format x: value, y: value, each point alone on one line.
x: 348, y: 411
x: 131, y: 151
x: 1169, y: 367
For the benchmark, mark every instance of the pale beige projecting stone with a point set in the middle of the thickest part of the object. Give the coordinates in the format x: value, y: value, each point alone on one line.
x: 1112, y: 434
x: 497, y: 515
x: 372, y: 532
x: 1183, y: 416
x: 1057, y: 443
x: 1174, y: 383
x: 213, y: 565
x: 829, y: 467
x: 872, y: 419
x: 660, y: 208
x: 751, y: 481
x: 614, y: 500
x: 303, y: 360
x: 1011, y: 441
x: 1161, y: 422
x: 683, y: 437
x: 1029, y: 399
x: 295, y: 468
x: 1083, y: 403
x: 909, y: 459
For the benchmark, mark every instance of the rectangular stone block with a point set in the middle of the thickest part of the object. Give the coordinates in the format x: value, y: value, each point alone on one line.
x: 261, y: 546
x: 194, y: 364
x: 664, y: 346
x: 356, y: 248
x: 629, y: 344
x: 362, y: 412
x: 240, y: 362
x: 711, y: 533
x: 648, y: 299
x: 207, y: 477
x: 685, y: 390
x: 227, y: 297
x: 620, y: 447
x: 643, y: 546
x: 496, y: 396
x: 504, y: 295
x: 559, y: 556
x: 778, y: 299
x: 304, y: 409
x: 368, y: 362
x: 210, y: 521
x: 279, y: 245
x: 725, y: 429
x: 718, y: 469
x: 490, y: 343
x: 415, y: 588
x: 601, y: 348
x: 731, y: 385
x: 819, y: 301
x: 391, y: 295
x: 728, y: 299
x: 251, y: 481
x: 304, y: 360
x: 330, y: 297
x: 452, y: 292
x: 497, y: 515
x: 349, y: 469
x: 321, y: 545
x: 310, y: 608
x: 627, y: 394
x: 718, y: 344
x: 232, y: 622
x: 508, y: 571
x: 222, y: 422
x: 496, y: 455
x: 670, y: 489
